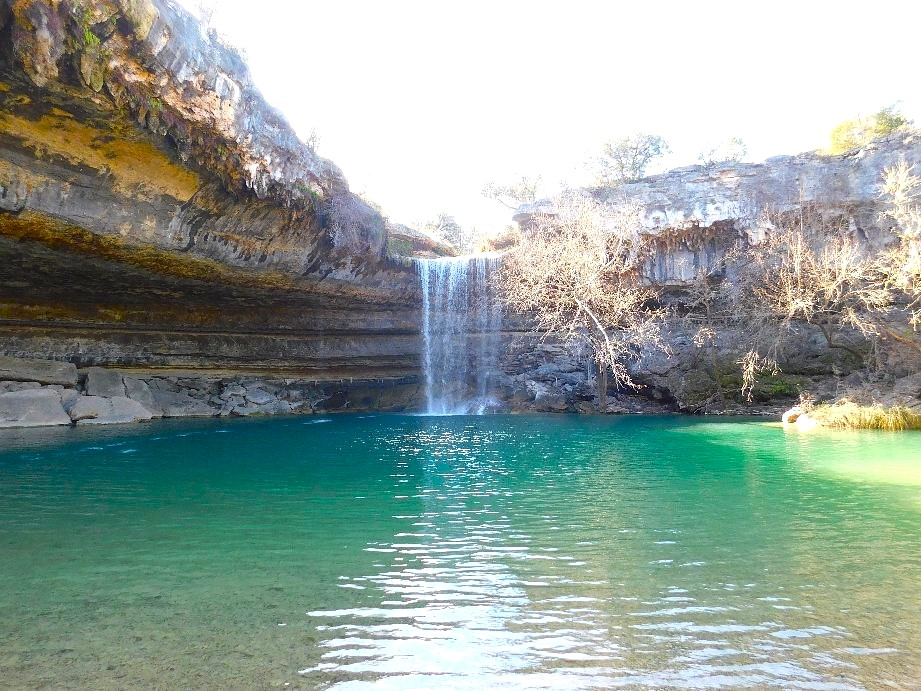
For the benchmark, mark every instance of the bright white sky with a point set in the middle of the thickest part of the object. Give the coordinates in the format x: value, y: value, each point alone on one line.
x: 423, y: 102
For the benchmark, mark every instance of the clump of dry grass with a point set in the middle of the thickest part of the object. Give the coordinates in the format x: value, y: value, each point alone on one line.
x: 845, y: 414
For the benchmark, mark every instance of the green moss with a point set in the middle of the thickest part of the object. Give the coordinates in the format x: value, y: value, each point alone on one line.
x: 699, y: 386
x: 309, y: 193
x: 399, y: 247
x: 779, y: 386
x: 90, y: 40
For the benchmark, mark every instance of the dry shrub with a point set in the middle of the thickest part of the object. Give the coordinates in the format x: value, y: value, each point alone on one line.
x: 578, y: 272
x: 846, y: 414
x: 903, y: 262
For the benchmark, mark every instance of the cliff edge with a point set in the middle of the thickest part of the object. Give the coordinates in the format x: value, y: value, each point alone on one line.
x: 156, y: 212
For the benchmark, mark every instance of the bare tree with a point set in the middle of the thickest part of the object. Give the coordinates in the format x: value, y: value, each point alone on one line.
x: 205, y: 9
x: 313, y: 139
x: 626, y: 159
x: 578, y: 272
x: 522, y: 192
x: 805, y: 276
x: 448, y: 229
x: 903, y: 262
x: 732, y: 150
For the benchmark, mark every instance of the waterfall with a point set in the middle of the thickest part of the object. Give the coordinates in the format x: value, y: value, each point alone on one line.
x: 461, y: 321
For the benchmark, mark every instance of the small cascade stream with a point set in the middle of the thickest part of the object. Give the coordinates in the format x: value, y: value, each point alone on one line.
x: 461, y: 322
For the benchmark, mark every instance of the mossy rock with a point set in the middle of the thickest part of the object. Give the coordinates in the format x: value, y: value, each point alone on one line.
x: 400, y: 247
x: 696, y: 387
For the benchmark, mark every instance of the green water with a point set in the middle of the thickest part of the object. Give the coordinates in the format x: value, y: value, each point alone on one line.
x: 404, y: 552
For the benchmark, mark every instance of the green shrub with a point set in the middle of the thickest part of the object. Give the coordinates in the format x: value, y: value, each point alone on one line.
x: 860, y: 131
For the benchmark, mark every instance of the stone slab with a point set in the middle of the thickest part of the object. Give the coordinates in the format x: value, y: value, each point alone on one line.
x: 100, y: 410
x: 104, y: 382
x: 42, y: 371
x: 32, y: 408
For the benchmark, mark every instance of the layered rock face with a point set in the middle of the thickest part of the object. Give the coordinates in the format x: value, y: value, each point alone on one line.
x: 156, y: 213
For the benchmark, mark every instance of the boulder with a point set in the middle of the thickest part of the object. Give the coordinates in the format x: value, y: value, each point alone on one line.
x: 792, y: 415
x: 259, y: 396
x: 7, y: 386
x: 246, y: 410
x: 138, y: 390
x: 274, y: 407
x: 32, y: 408
x: 68, y: 397
x: 232, y: 390
x: 182, y: 405
x: 162, y: 384
x: 41, y: 371
x: 99, y: 410
x: 104, y: 382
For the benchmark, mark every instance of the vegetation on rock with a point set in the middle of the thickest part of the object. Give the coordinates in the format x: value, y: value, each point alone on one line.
x: 582, y: 268
x: 845, y: 414
x: 860, y: 131
x: 731, y: 150
x: 626, y: 159
x: 524, y: 191
x: 577, y: 271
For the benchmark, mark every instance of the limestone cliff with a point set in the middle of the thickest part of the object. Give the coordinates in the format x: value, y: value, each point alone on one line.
x: 698, y: 212
x: 155, y: 211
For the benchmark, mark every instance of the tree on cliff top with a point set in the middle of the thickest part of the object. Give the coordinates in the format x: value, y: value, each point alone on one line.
x: 577, y: 272
x: 448, y: 229
x: 860, y: 131
x: 626, y: 159
x: 514, y: 195
x: 732, y: 150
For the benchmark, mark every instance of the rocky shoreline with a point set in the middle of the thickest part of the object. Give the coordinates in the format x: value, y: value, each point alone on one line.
x: 38, y: 393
